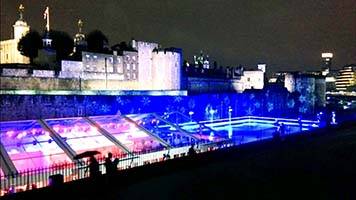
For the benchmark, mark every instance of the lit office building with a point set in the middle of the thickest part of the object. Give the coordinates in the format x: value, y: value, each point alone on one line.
x: 346, y: 78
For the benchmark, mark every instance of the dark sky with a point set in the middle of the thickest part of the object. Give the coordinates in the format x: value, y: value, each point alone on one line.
x: 286, y: 34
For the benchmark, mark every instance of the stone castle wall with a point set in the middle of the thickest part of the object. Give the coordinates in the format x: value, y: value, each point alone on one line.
x: 269, y: 102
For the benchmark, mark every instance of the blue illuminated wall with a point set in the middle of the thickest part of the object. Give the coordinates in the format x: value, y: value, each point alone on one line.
x: 272, y: 101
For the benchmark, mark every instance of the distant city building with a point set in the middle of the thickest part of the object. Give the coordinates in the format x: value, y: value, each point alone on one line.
x: 326, y: 58
x: 346, y: 78
x: 8, y: 48
x: 202, y: 60
x: 330, y: 80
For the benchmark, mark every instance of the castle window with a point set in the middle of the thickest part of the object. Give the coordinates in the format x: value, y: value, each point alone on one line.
x: 120, y: 69
x: 134, y: 66
x: 95, y: 57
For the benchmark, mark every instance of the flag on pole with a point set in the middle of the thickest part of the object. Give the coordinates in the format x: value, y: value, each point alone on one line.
x: 46, y: 12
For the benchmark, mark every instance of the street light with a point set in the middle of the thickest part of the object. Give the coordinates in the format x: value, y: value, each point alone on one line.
x: 211, y: 112
x: 190, y: 114
x: 230, y: 128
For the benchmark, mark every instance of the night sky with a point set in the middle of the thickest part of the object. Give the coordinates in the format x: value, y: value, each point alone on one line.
x: 287, y: 35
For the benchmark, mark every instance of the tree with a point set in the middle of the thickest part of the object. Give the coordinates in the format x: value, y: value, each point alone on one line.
x: 122, y: 46
x: 30, y: 44
x: 62, y: 43
x: 97, y: 42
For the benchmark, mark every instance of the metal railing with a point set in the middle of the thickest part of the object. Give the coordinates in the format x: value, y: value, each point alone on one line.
x: 38, y: 178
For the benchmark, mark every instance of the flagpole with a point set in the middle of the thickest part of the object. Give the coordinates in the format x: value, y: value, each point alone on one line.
x: 47, y: 19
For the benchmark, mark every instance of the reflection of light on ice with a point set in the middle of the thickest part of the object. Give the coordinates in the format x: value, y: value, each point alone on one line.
x: 333, y: 118
x: 21, y: 135
x: 13, y: 151
x: 56, y: 129
x: 10, y: 133
x: 230, y: 131
x: 32, y: 148
x: 138, y: 134
x: 47, y: 133
x: 211, y: 136
x: 94, y: 130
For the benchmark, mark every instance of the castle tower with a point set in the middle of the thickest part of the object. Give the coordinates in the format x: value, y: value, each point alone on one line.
x: 20, y: 26
x: 166, y: 69
x: 145, y: 63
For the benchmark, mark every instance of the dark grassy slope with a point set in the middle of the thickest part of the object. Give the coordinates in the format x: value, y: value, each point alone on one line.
x: 317, y: 165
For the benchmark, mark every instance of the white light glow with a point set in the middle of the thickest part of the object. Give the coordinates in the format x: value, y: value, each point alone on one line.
x: 326, y: 55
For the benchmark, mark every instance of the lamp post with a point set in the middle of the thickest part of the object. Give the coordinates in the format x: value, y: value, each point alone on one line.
x: 230, y: 128
x: 211, y: 112
x: 191, y: 113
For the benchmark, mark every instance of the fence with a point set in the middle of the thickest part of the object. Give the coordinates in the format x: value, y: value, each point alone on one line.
x: 38, y: 178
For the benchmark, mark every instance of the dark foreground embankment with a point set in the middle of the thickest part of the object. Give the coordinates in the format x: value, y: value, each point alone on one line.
x: 315, y: 165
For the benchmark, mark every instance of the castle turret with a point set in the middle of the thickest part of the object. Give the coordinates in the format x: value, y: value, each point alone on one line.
x: 166, y: 69
x: 20, y: 26
x: 8, y: 48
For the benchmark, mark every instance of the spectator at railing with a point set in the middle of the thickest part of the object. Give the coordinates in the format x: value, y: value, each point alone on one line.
x: 166, y: 156
x: 109, y: 164
x: 191, y: 151
x: 93, y: 167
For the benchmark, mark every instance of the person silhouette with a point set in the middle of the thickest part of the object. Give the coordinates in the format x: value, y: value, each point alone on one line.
x: 283, y: 129
x: 191, y: 151
x: 93, y: 167
x: 109, y: 165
